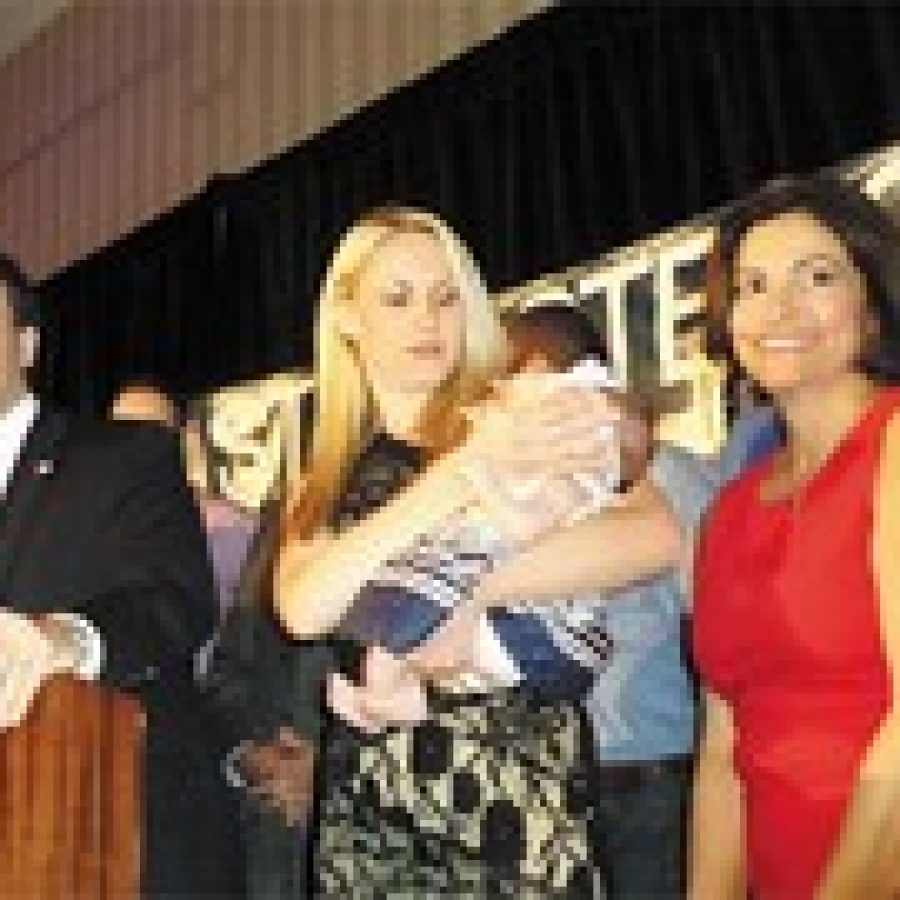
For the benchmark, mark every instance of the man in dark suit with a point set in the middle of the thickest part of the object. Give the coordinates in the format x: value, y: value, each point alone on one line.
x: 104, y: 574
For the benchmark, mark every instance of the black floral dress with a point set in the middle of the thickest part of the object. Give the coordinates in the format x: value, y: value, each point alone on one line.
x: 485, y: 798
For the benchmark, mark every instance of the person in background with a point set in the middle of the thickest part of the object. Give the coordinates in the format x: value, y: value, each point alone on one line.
x: 642, y: 702
x: 796, y: 632
x: 270, y: 691
x: 263, y: 686
x: 229, y: 528
x: 144, y: 399
x: 753, y: 435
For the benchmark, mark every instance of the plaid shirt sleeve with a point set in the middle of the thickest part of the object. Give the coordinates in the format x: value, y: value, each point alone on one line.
x: 414, y: 592
x: 558, y: 649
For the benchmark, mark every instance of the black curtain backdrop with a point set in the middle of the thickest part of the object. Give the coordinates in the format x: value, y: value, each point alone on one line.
x: 575, y: 132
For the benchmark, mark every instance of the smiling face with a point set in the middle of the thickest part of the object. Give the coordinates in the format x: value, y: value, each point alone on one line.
x: 408, y: 319
x: 799, y: 316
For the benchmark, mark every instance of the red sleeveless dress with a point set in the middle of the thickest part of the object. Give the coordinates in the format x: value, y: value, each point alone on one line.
x: 786, y: 629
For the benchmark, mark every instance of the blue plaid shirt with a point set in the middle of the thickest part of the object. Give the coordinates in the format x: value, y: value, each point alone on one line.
x: 642, y: 706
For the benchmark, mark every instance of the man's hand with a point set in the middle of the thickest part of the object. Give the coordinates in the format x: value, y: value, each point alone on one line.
x: 29, y: 656
x: 281, y: 774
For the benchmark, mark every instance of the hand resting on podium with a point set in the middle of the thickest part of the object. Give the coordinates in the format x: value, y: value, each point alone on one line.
x: 32, y: 650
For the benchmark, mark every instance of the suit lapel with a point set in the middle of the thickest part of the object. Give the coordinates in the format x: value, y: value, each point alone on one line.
x: 37, y: 463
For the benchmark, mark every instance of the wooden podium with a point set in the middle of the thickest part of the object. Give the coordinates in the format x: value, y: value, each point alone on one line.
x: 70, y: 779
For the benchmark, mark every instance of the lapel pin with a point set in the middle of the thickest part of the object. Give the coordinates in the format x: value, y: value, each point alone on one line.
x: 44, y: 467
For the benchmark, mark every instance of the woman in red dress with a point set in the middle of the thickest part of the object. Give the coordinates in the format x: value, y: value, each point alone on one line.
x: 795, y: 634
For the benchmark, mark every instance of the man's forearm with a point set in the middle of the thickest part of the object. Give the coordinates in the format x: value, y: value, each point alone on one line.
x: 611, y: 550
x: 142, y: 639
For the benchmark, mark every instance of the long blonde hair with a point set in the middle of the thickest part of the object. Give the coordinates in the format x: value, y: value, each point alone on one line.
x: 345, y: 413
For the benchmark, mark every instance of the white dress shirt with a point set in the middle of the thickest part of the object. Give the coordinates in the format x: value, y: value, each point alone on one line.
x: 14, y: 427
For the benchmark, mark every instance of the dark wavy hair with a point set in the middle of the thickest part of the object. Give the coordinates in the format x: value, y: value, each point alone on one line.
x: 563, y: 334
x: 866, y: 229
x: 23, y: 298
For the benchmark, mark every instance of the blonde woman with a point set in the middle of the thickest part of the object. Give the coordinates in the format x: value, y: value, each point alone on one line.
x: 477, y: 794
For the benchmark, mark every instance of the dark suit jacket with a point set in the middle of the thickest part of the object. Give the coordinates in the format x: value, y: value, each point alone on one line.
x: 98, y: 519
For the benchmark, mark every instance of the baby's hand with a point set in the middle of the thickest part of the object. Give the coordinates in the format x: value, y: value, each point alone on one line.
x: 391, y: 695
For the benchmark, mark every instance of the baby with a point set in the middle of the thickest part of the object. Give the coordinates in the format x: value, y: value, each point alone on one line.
x: 415, y: 615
